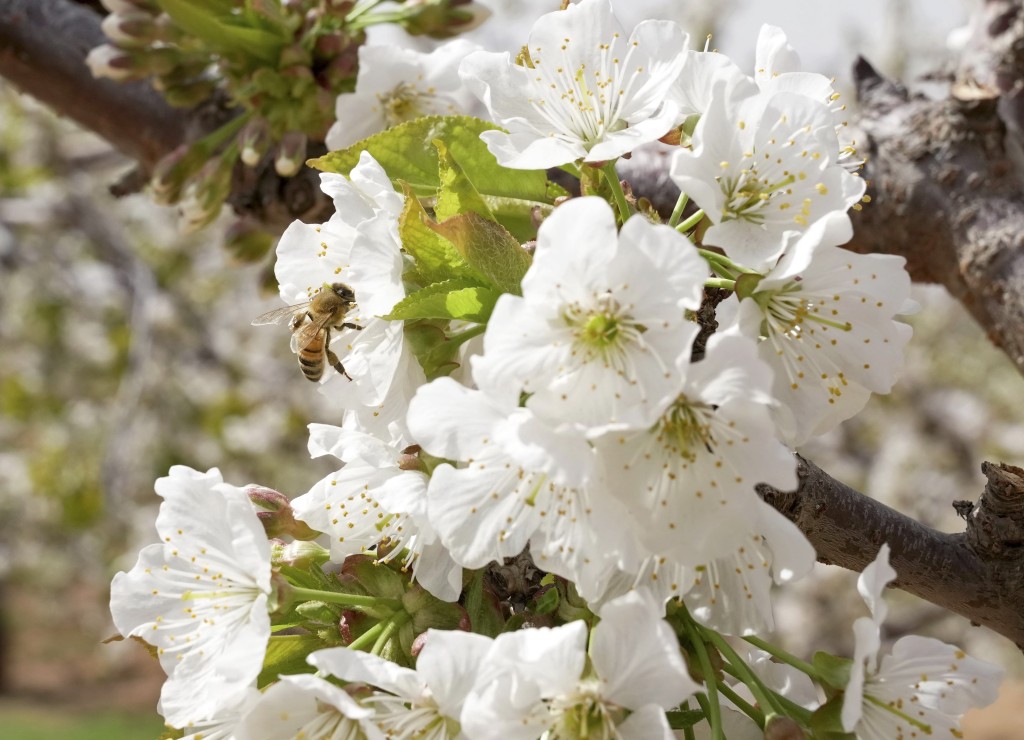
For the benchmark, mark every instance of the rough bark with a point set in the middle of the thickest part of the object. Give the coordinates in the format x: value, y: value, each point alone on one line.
x: 977, y: 574
x: 43, y: 45
x: 945, y: 179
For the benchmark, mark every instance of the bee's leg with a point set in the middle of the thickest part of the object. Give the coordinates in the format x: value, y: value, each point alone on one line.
x: 336, y: 364
x: 348, y: 325
x: 333, y: 358
x: 298, y: 319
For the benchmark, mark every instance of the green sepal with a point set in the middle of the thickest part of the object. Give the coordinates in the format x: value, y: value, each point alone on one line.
x: 746, y: 284
x: 832, y: 670
x: 457, y: 193
x: 429, y: 342
x: 222, y: 31
x: 488, y: 248
x: 287, y: 654
x: 406, y: 152
x: 436, y: 258
x: 450, y: 299
x: 680, y: 719
x: 826, y: 721
x: 546, y: 600
x: 482, y: 607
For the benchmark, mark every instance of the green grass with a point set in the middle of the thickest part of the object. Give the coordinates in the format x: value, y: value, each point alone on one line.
x: 18, y: 723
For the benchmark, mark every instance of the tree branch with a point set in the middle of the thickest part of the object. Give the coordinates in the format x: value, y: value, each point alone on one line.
x: 43, y: 45
x: 978, y: 574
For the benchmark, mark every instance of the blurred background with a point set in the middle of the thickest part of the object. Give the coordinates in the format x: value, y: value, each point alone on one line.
x: 125, y: 348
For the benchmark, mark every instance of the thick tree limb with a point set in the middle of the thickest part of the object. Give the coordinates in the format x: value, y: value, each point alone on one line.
x: 43, y: 45
x: 978, y: 574
x: 946, y: 177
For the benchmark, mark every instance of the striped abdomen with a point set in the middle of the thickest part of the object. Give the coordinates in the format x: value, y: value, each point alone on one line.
x: 311, y: 357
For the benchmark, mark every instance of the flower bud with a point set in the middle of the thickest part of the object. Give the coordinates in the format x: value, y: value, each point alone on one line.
x: 274, y: 511
x: 298, y: 554
x: 131, y: 28
x: 255, y: 141
x: 173, y: 171
x: 131, y: 6
x: 783, y: 728
x: 291, y: 153
x: 114, y: 63
x: 442, y: 19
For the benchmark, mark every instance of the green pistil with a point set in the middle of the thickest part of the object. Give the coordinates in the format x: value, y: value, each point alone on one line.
x: 600, y: 330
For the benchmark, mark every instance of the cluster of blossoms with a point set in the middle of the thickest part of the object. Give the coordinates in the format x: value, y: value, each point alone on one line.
x: 557, y: 399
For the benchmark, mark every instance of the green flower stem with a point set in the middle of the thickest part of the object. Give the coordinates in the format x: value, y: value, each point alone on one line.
x: 706, y: 708
x: 465, y: 336
x: 688, y: 733
x: 765, y: 696
x: 714, y: 710
x: 720, y: 283
x: 689, y: 223
x: 213, y: 140
x: 367, y: 638
x: 390, y: 628
x: 785, y: 657
x: 677, y: 212
x: 748, y: 709
x: 376, y: 19
x: 355, y: 601
x: 360, y: 8
x: 720, y: 259
x: 621, y: 205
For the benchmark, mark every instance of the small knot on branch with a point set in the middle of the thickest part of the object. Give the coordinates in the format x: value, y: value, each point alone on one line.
x: 996, y: 524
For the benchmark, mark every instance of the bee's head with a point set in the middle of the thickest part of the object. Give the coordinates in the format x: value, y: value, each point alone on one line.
x: 344, y: 292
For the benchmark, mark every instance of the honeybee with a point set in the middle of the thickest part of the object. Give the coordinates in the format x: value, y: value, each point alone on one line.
x: 312, y: 339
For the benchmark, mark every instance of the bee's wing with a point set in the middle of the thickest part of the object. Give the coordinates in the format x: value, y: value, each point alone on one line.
x: 279, y: 315
x: 307, y: 333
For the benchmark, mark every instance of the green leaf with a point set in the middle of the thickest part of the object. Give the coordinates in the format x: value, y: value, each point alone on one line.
x: 482, y: 607
x: 287, y: 654
x: 452, y: 299
x: 488, y: 248
x: 832, y: 670
x: 406, y: 152
x: 457, y: 194
x: 430, y: 344
x: 519, y: 216
x: 546, y: 602
x: 436, y: 257
x: 223, y: 31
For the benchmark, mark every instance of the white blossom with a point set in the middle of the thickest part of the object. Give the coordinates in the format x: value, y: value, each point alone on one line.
x: 372, y: 500
x: 585, y: 91
x: 762, y: 167
x: 777, y: 68
x: 522, y: 482
x: 545, y: 682
x: 827, y: 318
x: 304, y: 706
x: 358, y: 246
x: 395, y: 85
x: 601, y: 326
x: 922, y: 687
x: 426, y: 702
x: 225, y: 725
x: 689, y: 479
x: 200, y: 596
